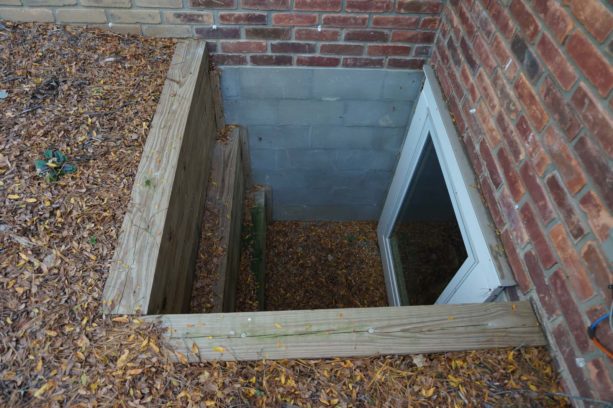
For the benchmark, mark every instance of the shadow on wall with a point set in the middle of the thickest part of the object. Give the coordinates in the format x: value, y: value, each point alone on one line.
x: 326, y: 140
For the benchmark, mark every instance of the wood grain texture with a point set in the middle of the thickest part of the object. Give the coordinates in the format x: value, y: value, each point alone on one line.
x: 352, y: 332
x: 225, y: 197
x: 217, y: 98
x: 153, y: 263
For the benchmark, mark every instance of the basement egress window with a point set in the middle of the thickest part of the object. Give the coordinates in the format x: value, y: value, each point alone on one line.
x: 331, y: 146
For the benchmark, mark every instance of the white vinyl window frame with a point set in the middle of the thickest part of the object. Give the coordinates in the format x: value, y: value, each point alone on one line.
x: 482, y: 276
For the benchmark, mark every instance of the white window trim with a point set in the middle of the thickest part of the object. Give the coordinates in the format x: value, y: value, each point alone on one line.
x: 484, y: 273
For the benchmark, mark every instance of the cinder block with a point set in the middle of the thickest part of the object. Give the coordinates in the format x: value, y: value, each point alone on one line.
x: 230, y: 82
x: 10, y: 2
x: 310, y: 112
x: 282, y: 83
x: 106, y: 3
x: 378, y: 113
x: 325, y: 213
x: 347, y: 83
x: 42, y: 15
x: 159, y: 3
x: 263, y: 160
x: 357, y: 137
x: 49, y: 2
x: 402, y: 85
x: 135, y: 16
x: 278, y: 137
x: 307, y: 159
x: 251, y: 112
x: 80, y: 16
x: 165, y: 30
x: 365, y: 159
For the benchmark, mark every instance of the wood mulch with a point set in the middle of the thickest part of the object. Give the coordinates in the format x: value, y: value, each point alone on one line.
x: 92, y: 94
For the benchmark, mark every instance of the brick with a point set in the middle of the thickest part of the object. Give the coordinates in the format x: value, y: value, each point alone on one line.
x: 366, y: 35
x: 561, y: 337
x: 527, y: 97
x: 599, y: 218
x: 568, y: 306
x: 503, y: 55
x: 419, y: 37
x: 501, y: 19
x: 454, y: 107
x: 598, y: 372
x: 294, y: 19
x: 555, y: 18
x: 482, y: 20
x: 577, y: 274
x: 271, y: 60
x: 594, y: 117
x: 242, y: 18
x: 525, y: 19
x: 483, y: 53
x: 509, y: 135
x: 341, y: 49
x: 268, y: 33
x: 224, y: 33
x: 190, y: 17
x: 265, y: 4
x: 159, y: 3
x: 466, y: 21
x: 535, y: 150
x: 213, y: 4
x: 565, y: 207
x: 429, y: 23
x: 535, y: 189
x: 369, y: 6
x: 492, y: 204
x: 487, y: 91
x: 339, y: 20
x: 596, y: 165
x: 489, y: 130
x: 229, y: 59
x: 591, y: 62
x: 515, y: 225
x: 537, y: 237
x: 519, y: 271
x: 513, y: 181
x: 105, y: 3
x: 49, y: 2
x: 317, y: 61
x: 474, y: 156
x: 80, y: 16
x: 422, y: 51
x: 411, y: 63
x: 164, y: 31
x: 26, y: 14
x: 557, y: 63
x: 387, y: 50
x: 417, y: 6
x: 454, y: 53
x: 468, y: 54
x: 560, y: 110
x: 316, y: 35
x: 490, y: 164
x: 135, y: 16
x: 317, y: 5
x: 598, y: 267
x: 564, y: 159
x: 526, y: 58
x: 506, y: 98
x: 536, y: 273
x: 243, y: 46
x: 469, y: 84
x: 594, y: 16
x: 402, y: 22
x: 356, y: 62
x: 292, y: 48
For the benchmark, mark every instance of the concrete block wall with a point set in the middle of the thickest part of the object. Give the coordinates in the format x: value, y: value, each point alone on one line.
x: 326, y: 140
x: 529, y: 84
x: 348, y: 33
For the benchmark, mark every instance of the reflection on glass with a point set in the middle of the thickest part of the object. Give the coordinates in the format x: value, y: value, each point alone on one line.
x: 426, y: 241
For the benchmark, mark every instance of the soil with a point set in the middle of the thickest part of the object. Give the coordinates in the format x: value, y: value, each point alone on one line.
x: 92, y: 94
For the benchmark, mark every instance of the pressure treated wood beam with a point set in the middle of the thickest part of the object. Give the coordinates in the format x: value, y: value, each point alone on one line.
x: 352, y: 332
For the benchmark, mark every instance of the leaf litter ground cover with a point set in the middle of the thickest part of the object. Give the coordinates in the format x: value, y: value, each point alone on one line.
x: 92, y: 94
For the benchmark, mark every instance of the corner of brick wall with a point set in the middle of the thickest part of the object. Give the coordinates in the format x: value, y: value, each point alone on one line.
x: 330, y: 33
x: 529, y: 84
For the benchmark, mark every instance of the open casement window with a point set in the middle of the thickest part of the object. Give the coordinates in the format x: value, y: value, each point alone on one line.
x: 437, y: 242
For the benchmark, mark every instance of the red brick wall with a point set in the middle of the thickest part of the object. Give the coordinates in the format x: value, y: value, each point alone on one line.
x: 343, y: 33
x: 528, y: 83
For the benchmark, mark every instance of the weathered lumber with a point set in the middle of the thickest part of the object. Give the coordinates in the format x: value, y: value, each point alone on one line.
x: 352, y: 332
x: 153, y: 263
x: 217, y: 98
x: 246, y: 156
x: 225, y: 195
x: 258, y: 257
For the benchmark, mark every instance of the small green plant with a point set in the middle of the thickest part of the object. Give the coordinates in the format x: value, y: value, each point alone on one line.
x: 93, y: 240
x: 54, y: 165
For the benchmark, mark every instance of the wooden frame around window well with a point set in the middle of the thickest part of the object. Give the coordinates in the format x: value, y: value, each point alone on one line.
x: 152, y: 266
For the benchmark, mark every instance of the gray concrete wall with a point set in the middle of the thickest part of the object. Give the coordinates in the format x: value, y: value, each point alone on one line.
x: 326, y: 140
